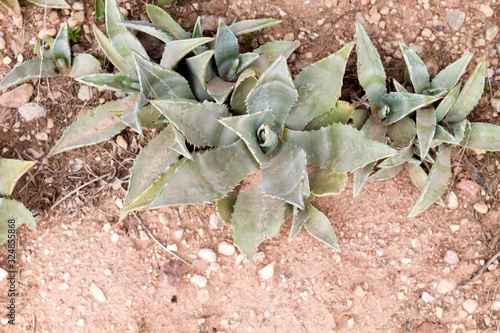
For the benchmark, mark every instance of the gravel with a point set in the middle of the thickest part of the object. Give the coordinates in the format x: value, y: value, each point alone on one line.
x: 481, y: 207
x: 451, y: 257
x: 452, y: 202
x: 199, y: 280
x: 226, y: 248
x: 97, y: 293
x: 470, y: 306
x: 456, y: 19
x: 3, y: 274
x: 445, y: 286
x: 267, y: 271
x: 491, y: 33
x: 208, y: 255
x: 427, y: 298
x: 17, y: 97
x: 84, y: 94
x: 30, y: 111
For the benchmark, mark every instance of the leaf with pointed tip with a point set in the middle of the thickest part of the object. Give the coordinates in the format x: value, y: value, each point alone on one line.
x: 32, y: 69
x: 470, y: 94
x: 255, y: 218
x: 219, y: 89
x: 402, y: 157
x: 198, y: 121
x: 459, y: 129
x: 340, y: 113
x: 274, y: 91
x: 426, y: 127
x: 41, y: 52
x: 95, y: 126
x: 283, y: 175
x: 245, y: 83
x: 195, y: 182
x: 149, y: 117
x: 416, y: 69
x: 402, y: 132
x: 371, y: 74
x: 482, y: 136
x: 197, y: 29
x: 244, y: 60
x: 436, y: 183
x: 299, y: 218
x: 447, y: 103
x: 150, y: 29
x: 178, y: 49
x: 12, y: 6
x: 200, y: 72
x: 161, y: 18
x: 132, y: 115
x: 113, y: 55
x: 61, y: 49
x: 338, y: 148
x: 13, y: 210
x: 399, y: 87
x: 320, y: 227
x: 225, y: 206
x: 226, y: 48
x: 319, y: 87
x: 402, y: 104
x: 324, y: 182
x: 441, y: 136
x: 99, y: 9
x: 359, y: 117
x: 84, y: 64
x: 51, y: 3
x: 11, y: 171
x: 248, y: 26
x: 116, y: 82
x: 385, y: 173
x: 269, y: 52
x: 449, y: 76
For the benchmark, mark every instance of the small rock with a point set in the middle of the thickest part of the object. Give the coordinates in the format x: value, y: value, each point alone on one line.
x: 76, y: 19
x: 120, y: 141
x: 164, y: 218
x: 97, y: 293
x: 290, y: 37
x: 7, y: 60
x: 34, y: 153
x: 115, y: 237
x: 456, y: 19
x: 80, y: 322
x: 226, y: 248
x: 486, y: 10
x: 480, y: 42
x: 452, y: 202
x: 495, y: 306
x: 445, y: 286
x: 198, y: 280
x: 259, y: 257
x: 495, y: 103
x: 308, y: 55
x: 454, y: 227
x: 451, y: 257
x: 30, y: 111
x: 42, y: 136
x: 169, y: 274
x: 481, y: 207
x: 209, y: 22
x: 208, y: 255
x: 469, y: 186
x: 78, y: 6
x: 143, y: 235
x: 470, y: 306
x: 178, y: 233
x: 427, y: 298
x: 215, y: 221
x: 84, y: 94
x: 491, y: 33
x: 329, y: 3
x: 359, y: 292
x: 3, y: 274
x: 416, y: 243
x: 267, y: 271
x: 52, y: 32
x: 172, y: 247
x: 350, y: 322
x: 17, y: 97
x: 50, y: 123
x: 240, y: 258
x: 2, y: 43
x: 432, y: 66
x: 107, y: 272
x: 439, y: 312
x: 426, y: 33
x: 384, y: 10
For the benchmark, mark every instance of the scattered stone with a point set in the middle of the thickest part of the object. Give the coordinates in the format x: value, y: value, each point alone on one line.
x: 417, y: 48
x: 76, y: 19
x: 209, y: 22
x: 178, y: 233
x: 115, y: 237
x: 143, y: 235
x: 78, y: 6
x: 3, y: 274
x: 34, y: 153
x: 439, y: 312
x: 427, y: 298
x: 426, y: 33
x: 495, y: 103
x: 240, y: 258
x: 85, y: 93
x: 208, y: 255
x: 42, y: 136
x: 267, y: 271
x: 2, y: 43
x: 215, y: 221
x: 80, y: 322
x: 164, y: 218
x: 290, y: 37
x: 172, y: 247
x: 452, y: 202
x: 308, y: 55
x: 17, y: 97
x: 259, y: 258
x: 359, y: 292
x: 456, y: 19
x: 107, y: 272
x: 169, y: 274
x: 7, y: 60
x: 30, y: 111
x: 495, y: 306
x: 481, y: 207
x: 226, y: 248
x: 199, y: 280
x: 445, y: 286
x: 451, y: 257
x: 120, y: 141
x: 416, y: 243
x: 374, y: 17
x: 491, y: 33
x: 454, y: 227
x: 405, y: 260
x: 480, y: 42
x: 486, y: 10
x: 329, y: 3
x: 469, y: 186
x: 492, y: 267
x: 97, y: 293
x: 470, y: 306
x: 350, y: 322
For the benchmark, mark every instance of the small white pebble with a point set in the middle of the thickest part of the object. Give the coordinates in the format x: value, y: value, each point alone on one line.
x: 115, y: 237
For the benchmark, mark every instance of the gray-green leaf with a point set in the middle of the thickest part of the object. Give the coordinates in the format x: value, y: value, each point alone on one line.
x: 84, y: 64
x: 178, y: 49
x: 11, y: 171
x: 226, y: 48
x: 61, y: 49
x: 219, y: 89
x: 51, y: 3
x: 269, y: 52
x: 161, y: 18
x: 402, y: 132
x: 340, y: 113
x: 447, y: 103
x: 449, y: 76
x: 482, y: 136
x: 426, y: 127
x: 32, y: 69
x: 299, y: 218
x: 13, y: 210
x: 323, y: 182
x: 320, y: 227
x: 150, y: 29
x: 402, y: 104
x: 113, y: 55
x: 416, y: 68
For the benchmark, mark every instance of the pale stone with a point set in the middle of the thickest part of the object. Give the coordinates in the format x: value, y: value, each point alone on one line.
x: 491, y: 33
x: 426, y: 33
x: 456, y: 19
x: 486, y: 10
x: 445, y: 286
x: 427, y: 298
x: 226, y: 248
x: 452, y: 202
x: 451, y: 257
x: 290, y: 37
x: 3, y: 274
x: 115, y: 237
x: 199, y: 280
x: 17, y: 97
x: 470, y: 306
x: 121, y: 142
x: 30, y: 111
x: 77, y: 19
x: 481, y: 207
x: 208, y: 255
x: 215, y: 221
x: 97, y: 293
x: 359, y: 292
x: 78, y: 6
x: 439, y: 312
x: 85, y: 93
x: 267, y: 271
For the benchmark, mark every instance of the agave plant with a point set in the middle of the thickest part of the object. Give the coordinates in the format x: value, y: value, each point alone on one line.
x: 10, y: 209
x: 423, y: 119
x: 55, y: 61
x: 235, y: 128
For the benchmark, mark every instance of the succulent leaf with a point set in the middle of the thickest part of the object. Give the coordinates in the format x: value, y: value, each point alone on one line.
x: 416, y: 69
x: 340, y: 113
x: 441, y: 135
x: 11, y: 171
x: 178, y: 49
x: 113, y: 54
x: 116, y: 82
x: 226, y: 48
x: 482, y: 136
x: 225, y: 206
x: 402, y: 133
x: 319, y: 87
x: 419, y: 177
x: 12, y: 6
x: 150, y: 29
x: 359, y: 117
x: 426, y: 127
x: 449, y: 76
x: 100, y: 11
x: 385, y: 173
x: 32, y: 69
x: 399, y: 87
x: 51, y: 4
x: 300, y: 216
x: 219, y: 89
x: 200, y: 72
x: 132, y: 115
x: 11, y: 209
x: 248, y: 26
x: 161, y: 18
x: 269, y: 52
x: 323, y: 182
x: 401, y: 157
x: 84, y: 64
x: 41, y: 52
x: 61, y: 48
x: 447, y: 103
x: 320, y: 227
x: 459, y: 129
x: 402, y: 104
x: 245, y: 83
x: 243, y: 62
x: 197, y: 29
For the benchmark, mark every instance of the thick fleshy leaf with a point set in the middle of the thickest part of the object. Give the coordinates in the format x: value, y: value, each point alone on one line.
x: 426, y: 127
x: 12, y: 6
x: 245, y: 83
x: 359, y: 117
x: 248, y: 26
x: 84, y: 64
x: 226, y: 48
x: 244, y: 60
x: 283, y: 175
x: 274, y: 91
x: 402, y: 132
x: 198, y: 121
x: 323, y: 182
x: 320, y: 227
x: 41, y: 52
x: 32, y: 69
x: 371, y: 74
x: 100, y: 11
x: 269, y: 52
x: 219, y: 89
x: 150, y: 29
x: 208, y: 177
x: 402, y: 104
x: 338, y: 148
x: 470, y: 94
x: 416, y: 69
x: 113, y: 55
x: 299, y: 218
x: 131, y: 116
x: 16, y: 211
x: 95, y: 126
x: 385, y: 173
x: 447, y: 103
x: 197, y: 29
x: 402, y: 157
x: 436, y: 183
x: 459, y: 129
x: 116, y: 82
x: 482, y: 136
x: 449, y: 76
x: 441, y: 135
x: 178, y: 49
x: 319, y: 88
x: 255, y: 218
x: 51, y: 3
x: 399, y: 87
x: 340, y: 113
x: 161, y: 18
x: 61, y: 48
x: 11, y: 171
x: 122, y: 39
x: 225, y: 206
x: 200, y: 73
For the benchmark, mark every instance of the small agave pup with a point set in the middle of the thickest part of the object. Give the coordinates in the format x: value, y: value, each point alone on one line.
x: 235, y: 128
x: 424, y: 123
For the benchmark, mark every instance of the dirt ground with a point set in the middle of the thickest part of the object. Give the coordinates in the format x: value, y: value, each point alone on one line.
x: 393, y: 274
